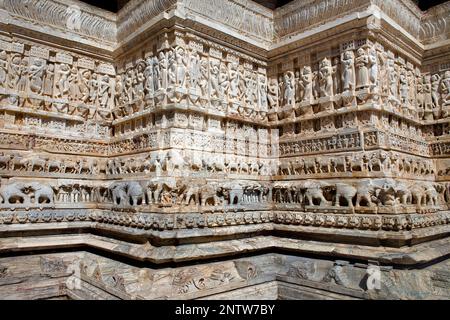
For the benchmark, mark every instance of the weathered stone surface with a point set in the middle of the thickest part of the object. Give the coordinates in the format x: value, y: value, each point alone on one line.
x: 174, y: 133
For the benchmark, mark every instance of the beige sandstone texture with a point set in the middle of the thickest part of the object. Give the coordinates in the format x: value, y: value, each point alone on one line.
x: 197, y: 149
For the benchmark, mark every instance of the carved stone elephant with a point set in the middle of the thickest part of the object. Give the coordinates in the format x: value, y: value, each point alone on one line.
x: 42, y: 193
x: 234, y: 191
x: 13, y: 193
x: 315, y: 192
x: 173, y: 161
x: 119, y: 194
x: 403, y: 194
x: 345, y: 191
x: 432, y: 196
x: 366, y: 191
x: 208, y: 192
x: 418, y: 196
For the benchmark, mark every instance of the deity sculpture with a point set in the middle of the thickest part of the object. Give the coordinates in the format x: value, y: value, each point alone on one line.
x: 361, y: 64
x: 36, y: 72
x: 48, y: 80
x: 373, y: 68
x: 140, y: 80
x: 62, y: 84
x: 104, y: 91
x: 445, y: 94
x: 3, y: 67
x: 149, y: 77
x: 289, y: 88
x: 307, y: 83
x: 194, y: 70
x: 93, y: 87
x: 337, y: 76
x: 203, y: 79
x: 224, y: 82
x: 348, y: 72
x: 325, y: 78
x: 74, y: 85
x: 24, y: 75
x: 262, y: 94
x: 214, y: 78
x: 163, y: 71
x: 118, y: 91
x: 234, y: 82
x: 182, y: 62
x: 273, y: 93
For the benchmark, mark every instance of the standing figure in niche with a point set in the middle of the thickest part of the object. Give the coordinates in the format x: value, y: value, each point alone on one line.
x: 203, y: 80
x: 48, y: 80
x: 224, y: 82
x: 337, y: 76
x: 149, y: 78
x: 427, y: 99
x: 361, y: 63
x: 445, y: 90
x: 412, y: 87
x: 234, y: 82
x: 194, y: 70
x: 404, y: 90
x: 171, y: 69
x: 130, y: 80
x: 273, y: 93
x: 163, y: 66
x: 23, y: 80
x: 392, y: 78
x: 420, y: 97
x: 326, y: 78
x: 289, y: 88
x: 85, y: 77
x: 348, y: 71
x: 118, y: 92
x: 262, y: 94
x: 74, y: 85
x: 140, y: 80
x: 182, y: 64
x: 435, y: 81
x: 214, y: 72
x: 36, y: 76
x: 3, y: 68
x: 93, y: 86
x: 157, y: 74
x: 62, y: 85
x: 104, y: 91
x: 373, y: 68
x: 281, y: 90
x: 307, y: 83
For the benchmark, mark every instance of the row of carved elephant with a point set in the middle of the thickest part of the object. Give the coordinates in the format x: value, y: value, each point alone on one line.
x: 171, y: 191
x: 363, y: 193
x: 168, y: 191
x: 380, y: 161
x: 172, y: 161
x: 36, y: 163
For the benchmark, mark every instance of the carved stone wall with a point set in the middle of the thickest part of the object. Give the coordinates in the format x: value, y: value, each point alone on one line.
x: 314, y: 130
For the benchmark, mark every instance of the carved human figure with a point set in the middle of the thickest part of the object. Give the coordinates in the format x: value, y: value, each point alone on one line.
x: 348, y: 71
x: 203, y: 80
x: 234, y: 82
x: 392, y: 77
x: 83, y: 84
x: 149, y: 77
x: 3, y: 67
x: 404, y: 89
x: 194, y: 70
x: 427, y: 98
x: 62, y: 84
x: 140, y: 80
x: 182, y: 63
x: 262, y: 93
x: 163, y: 70
x: 289, y: 88
x: 93, y: 88
x: 129, y: 90
x: 224, y: 82
x: 214, y: 70
x: 171, y: 68
x: 273, y: 93
x: 104, y: 91
x: 373, y: 68
x: 445, y: 94
x: 326, y: 78
x: 307, y: 83
x: 435, y: 82
x: 74, y: 85
x: 362, y: 63
x: 22, y: 85
x: 118, y: 91
x: 36, y: 72
x: 48, y: 80
x: 337, y: 85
